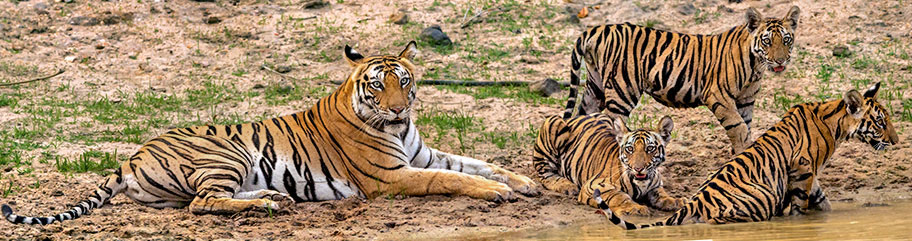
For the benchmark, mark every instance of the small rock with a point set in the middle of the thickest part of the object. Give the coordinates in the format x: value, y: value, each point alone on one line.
x: 57, y: 193
x: 83, y: 21
x: 854, y: 18
x: 687, y: 9
x: 545, y: 87
x: 435, y: 35
x: 258, y: 86
x: 69, y: 58
x: 529, y: 59
x: 212, y: 20
x: 724, y: 9
x: 283, y: 69
x: 40, y: 8
x: 734, y: 1
x: 517, y: 31
x: 571, y: 15
x: 841, y: 51
x: 399, y: 17
x: 390, y: 224
x: 314, y: 4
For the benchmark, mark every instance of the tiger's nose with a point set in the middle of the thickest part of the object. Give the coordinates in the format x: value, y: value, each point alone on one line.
x: 781, y: 61
x: 397, y: 109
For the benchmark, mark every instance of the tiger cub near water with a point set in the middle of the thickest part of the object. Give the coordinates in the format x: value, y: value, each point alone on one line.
x: 593, y: 152
x: 780, y: 170
x: 358, y: 142
x: 720, y: 71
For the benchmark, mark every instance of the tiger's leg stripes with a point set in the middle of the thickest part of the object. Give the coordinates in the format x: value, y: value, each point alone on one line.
x: 112, y: 185
x: 728, y: 116
x: 217, y: 196
x: 472, y: 166
x: 619, y: 201
x: 679, y: 217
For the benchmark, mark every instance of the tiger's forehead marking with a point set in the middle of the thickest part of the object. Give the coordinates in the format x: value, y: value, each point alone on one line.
x: 379, y: 67
x: 640, y: 136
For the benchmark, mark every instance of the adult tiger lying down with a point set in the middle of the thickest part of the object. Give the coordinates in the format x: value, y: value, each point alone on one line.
x: 780, y: 169
x: 359, y: 141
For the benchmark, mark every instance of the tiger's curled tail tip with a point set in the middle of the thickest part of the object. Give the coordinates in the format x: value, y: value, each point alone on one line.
x: 7, y: 210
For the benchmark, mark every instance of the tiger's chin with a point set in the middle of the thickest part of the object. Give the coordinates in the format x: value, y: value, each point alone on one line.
x: 395, y: 126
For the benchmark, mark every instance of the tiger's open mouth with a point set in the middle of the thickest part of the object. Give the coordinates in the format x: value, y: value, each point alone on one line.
x: 779, y: 69
x: 640, y: 176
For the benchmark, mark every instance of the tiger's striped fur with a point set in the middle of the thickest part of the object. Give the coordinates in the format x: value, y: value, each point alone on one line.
x: 357, y: 142
x: 720, y: 71
x: 780, y: 170
x: 593, y: 152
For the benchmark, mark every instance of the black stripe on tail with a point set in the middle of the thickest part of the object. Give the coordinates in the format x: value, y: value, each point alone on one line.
x: 616, y: 220
x: 576, y: 63
x: 112, y: 186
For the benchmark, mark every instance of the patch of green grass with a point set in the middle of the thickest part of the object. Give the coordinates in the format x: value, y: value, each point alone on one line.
x: 444, y: 122
x: 519, y: 93
x: 6, y: 100
x: 906, y: 114
x: 784, y: 101
x: 863, y: 63
x: 90, y: 161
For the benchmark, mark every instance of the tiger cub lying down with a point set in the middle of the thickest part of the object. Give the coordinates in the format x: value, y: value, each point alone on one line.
x: 592, y: 152
x: 358, y: 142
x: 780, y: 169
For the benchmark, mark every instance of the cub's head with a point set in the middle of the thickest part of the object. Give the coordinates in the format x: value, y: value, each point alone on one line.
x: 384, y: 88
x: 870, y: 121
x: 772, y: 38
x: 642, y: 151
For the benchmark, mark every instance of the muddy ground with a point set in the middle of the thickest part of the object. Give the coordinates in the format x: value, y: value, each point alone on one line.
x: 133, y: 69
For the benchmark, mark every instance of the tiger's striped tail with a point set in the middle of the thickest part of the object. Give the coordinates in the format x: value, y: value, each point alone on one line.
x: 112, y: 186
x: 575, y: 62
x: 616, y: 220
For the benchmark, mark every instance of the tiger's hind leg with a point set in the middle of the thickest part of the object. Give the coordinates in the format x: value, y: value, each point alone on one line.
x: 217, y: 196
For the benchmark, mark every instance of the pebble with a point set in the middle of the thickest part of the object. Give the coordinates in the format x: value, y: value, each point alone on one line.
x: 545, y: 87
x: 40, y: 8
x: 314, y: 4
x: 212, y: 20
x: 69, y: 58
x: 841, y: 51
x: 435, y: 35
x: 83, y: 21
x: 687, y: 9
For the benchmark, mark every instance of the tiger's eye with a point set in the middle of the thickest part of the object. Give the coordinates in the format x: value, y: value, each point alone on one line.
x: 629, y: 149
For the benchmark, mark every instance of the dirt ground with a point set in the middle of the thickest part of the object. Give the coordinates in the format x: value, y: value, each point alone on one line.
x: 202, y: 63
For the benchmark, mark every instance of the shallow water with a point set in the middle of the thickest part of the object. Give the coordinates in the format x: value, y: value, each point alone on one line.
x: 849, y: 221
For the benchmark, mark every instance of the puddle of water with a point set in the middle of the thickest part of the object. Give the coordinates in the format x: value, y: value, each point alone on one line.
x: 847, y: 221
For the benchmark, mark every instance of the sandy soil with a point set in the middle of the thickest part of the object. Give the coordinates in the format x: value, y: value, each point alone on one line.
x: 167, y: 47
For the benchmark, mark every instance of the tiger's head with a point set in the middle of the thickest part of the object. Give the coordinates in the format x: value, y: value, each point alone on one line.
x: 772, y: 38
x: 869, y: 121
x: 384, y: 88
x: 642, y: 151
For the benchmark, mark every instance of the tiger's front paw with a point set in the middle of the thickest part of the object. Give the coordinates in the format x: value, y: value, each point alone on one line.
x: 561, y: 185
x: 524, y: 185
x: 493, y: 191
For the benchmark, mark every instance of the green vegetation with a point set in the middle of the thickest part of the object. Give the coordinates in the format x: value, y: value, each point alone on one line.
x: 518, y: 93
x: 90, y: 161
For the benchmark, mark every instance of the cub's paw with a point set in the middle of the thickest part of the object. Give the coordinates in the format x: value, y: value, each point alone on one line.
x: 632, y: 209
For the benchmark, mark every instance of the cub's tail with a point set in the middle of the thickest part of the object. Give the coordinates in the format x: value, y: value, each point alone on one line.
x: 113, y: 185
x: 575, y: 62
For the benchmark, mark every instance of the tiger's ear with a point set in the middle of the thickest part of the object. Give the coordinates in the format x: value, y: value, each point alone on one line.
x: 354, y: 58
x: 619, y: 129
x: 791, y: 18
x: 872, y: 92
x: 410, y: 51
x: 665, y: 127
x: 754, y: 19
x: 854, y: 103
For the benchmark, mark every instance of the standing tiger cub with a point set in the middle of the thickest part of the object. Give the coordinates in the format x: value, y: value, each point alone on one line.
x: 720, y: 71
x: 780, y: 171
x: 358, y: 142
x: 593, y: 152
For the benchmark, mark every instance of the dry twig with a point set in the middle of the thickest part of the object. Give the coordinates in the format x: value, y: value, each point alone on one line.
x: 60, y: 71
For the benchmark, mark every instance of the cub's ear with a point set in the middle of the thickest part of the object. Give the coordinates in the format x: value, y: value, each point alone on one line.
x: 352, y: 56
x: 410, y: 51
x: 754, y: 19
x: 872, y: 92
x: 791, y: 18
x: 854, y: 103
x: 619, y: 128
x: 665, y: 127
